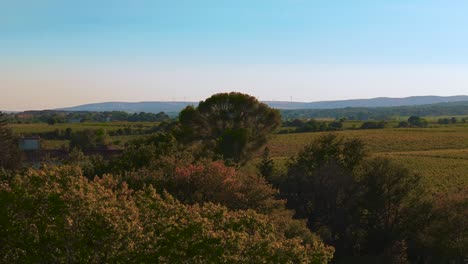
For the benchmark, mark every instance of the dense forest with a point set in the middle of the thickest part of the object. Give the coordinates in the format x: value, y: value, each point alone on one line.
x: 182, y: 194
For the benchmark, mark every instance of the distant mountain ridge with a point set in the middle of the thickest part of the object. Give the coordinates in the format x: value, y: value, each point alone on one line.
x: 373, y: 102
x: 174, y: 106
x: 444, y: 109
x: 132, y: 107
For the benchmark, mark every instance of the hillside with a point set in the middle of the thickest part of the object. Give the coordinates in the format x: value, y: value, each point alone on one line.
x: 379, y: 113
x: 170, y: 107
x: 374, y: 102
x: 135, y: 107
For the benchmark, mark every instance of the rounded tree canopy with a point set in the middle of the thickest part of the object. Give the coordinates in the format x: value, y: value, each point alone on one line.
x: 232, y: 124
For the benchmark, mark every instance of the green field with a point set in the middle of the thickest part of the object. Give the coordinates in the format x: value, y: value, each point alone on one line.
x: 438, y: 154
x: 35, y: 128
x: 382, y: 140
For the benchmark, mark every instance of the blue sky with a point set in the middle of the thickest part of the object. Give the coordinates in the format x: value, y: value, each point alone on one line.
x: 73, y: 52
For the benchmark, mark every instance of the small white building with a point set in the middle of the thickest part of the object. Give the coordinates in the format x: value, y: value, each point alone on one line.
x: 30, y: 143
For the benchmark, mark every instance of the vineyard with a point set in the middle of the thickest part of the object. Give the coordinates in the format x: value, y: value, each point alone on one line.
x: 439, y: 154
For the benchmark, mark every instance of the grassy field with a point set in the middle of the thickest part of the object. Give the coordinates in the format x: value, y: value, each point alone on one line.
x: 439, y: 154
x: 35, y: 128
x: 382, y: 140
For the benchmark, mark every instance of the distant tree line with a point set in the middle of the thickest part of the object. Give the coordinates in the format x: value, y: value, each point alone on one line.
x: 413, y: 121
x: 52, y: 117
x: 453, y: 120
x: 373, y: 125
x: 127, y: 130
x: 312, y: 125
x: 380, y: 113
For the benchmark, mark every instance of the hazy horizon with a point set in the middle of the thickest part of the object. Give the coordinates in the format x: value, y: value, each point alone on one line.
x: 196, y: 101
x: 59, y: 54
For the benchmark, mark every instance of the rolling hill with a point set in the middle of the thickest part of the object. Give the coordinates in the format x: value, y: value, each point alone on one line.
x: 173, y: 107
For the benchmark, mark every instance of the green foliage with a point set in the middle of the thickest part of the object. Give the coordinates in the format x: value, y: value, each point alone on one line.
x: 10, y: 155
x: 53, y: 117
x: 142, y: 117
x: 329, y: 149
x: 233, y: 125
x: 211, y: 233
x: 52, y: 216
x: 266, y: 165
x: 447, y: 121
x: 146, y: 151
x: 91, y: 166
x: 416, y: 121
x: 390, y: 204
x: 55, y: 215
x: 335, y: 125
x: 90, y: 139
x: 445, y: 239
x: 362, y: 207
x: 403, y: 124
x: 319, y: 184
x: 51, y: 121
x: 198, y: 182
x: 373, y: 125
x: 312, y: 126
